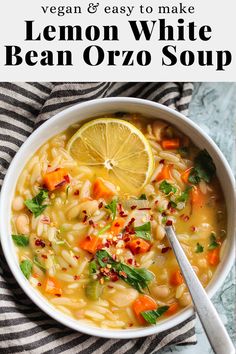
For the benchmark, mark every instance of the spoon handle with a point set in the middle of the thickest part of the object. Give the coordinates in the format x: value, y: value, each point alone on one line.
x: 211, y: 322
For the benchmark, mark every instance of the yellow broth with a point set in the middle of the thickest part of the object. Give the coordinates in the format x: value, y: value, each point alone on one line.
x: 55, y: 236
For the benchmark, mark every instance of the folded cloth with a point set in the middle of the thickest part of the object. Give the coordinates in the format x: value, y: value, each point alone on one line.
x: 24, y: 328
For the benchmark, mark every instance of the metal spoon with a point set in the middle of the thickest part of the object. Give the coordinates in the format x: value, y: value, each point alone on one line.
x: 211, y: 322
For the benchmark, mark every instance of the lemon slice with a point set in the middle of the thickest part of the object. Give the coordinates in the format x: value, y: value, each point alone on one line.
x: 116, y: 150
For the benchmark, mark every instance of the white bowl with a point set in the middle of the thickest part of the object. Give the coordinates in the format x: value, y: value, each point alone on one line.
x: 97, y: 108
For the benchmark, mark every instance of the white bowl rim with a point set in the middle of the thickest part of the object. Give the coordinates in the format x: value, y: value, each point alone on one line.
x: 38, y: 299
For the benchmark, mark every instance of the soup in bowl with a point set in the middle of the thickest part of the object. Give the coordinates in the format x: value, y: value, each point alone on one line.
x: 88, y: 218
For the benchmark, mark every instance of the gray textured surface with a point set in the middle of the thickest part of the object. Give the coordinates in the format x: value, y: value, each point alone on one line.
x: 213, y: 108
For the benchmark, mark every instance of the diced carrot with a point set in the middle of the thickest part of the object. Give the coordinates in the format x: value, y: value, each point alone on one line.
x: 185, y: 175
x: 138, y: 245
x: 117, y: 226
x: 197, y: 197
x: 52, y: 286
x: 172, y: 309
x: 165, y: 173
x: 90, y: 243
x: 141, y: 304
x: 170, y: 144
x: 103, y: 189
x: 213, y: 256
x: 176, y: 278
x: 56, y: 179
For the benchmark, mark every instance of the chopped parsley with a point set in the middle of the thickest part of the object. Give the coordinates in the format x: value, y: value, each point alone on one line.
x: 183, y: 151
x: 167, y: 188
x: 38, y: 264
x: 204, y: 168
x: 184, y: 195
x: 213, y: 243
x: 112, y: 207
x: 153, y: 315
x: 142, y: 197
x: 26, y: 267
x: 35, y: 205
x: 199, y: 248
x: 144, y: 231
x: 20, y: 240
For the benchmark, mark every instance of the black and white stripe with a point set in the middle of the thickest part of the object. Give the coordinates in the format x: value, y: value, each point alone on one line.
x: 23, y: 327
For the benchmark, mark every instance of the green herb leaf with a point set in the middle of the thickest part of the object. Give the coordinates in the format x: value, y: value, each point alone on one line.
x: 167, y: 188
x: 184, y: 195
x: 213, y: 243
x: 38, y: 264
x: 26, y: 268
x: 67, y: 193
x: 144, y: 231
x: 142, y: 197
x: 21, y: 240
x: 153, y: 315
x: 104, y: 229
x: 104, y: 258
x: 112, y: 207
x: 93, y: 267
x: 204, y: 168
x: 183, y: 151
x: 199, y: 248
x: 138, y: 278
x: 35, y: 204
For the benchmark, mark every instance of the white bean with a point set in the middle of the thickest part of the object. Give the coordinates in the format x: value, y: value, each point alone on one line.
x: 22, y: 224
x: 161, y: 291
x: 159, y: 233
x: 18, y: 203
x: 185, y: 300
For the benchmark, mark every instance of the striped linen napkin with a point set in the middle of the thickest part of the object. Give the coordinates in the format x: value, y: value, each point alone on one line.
x: 24, y: 328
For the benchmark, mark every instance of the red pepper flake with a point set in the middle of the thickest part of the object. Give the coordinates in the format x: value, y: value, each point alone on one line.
x: 84, y: 211
x: 123, y: 274
x: 76, y: 277
x: 114, y: 277
x: 122, y: 214
x: 85, y: 218
x: 100, y: 205
x: 62, y: 183
x: 144, y: 208
x: 76, y: 257
x: 151, y: 217
x: 169, y: 223
x: 49, y: 165
x: 107, y: 244
x: 162, y: 161
x: 76, y: 192
x: 64, y: 269
x: 193, y: 228
x: 165, y: 249
x: 39, y: 284
x: 130, y: 261
x: 127, y: 239
x: 110, y: 286
x: 58, y: 295
x: 130, y: 324
x: 91, y: 223
x: 184, y: 217
x: 130, y: 222
x: 40, y: 243
x: 67, y: 178
x: 44, y: 256
x: 133, y: 207
x: 116, y: 224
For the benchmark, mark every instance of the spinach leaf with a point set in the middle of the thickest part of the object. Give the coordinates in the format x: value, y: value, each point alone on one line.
x: 204, y: 168
x: 20, y: 240
x: 93, y: 267
x: 144, y: 231
x: 112, y: 207
x: 153, y: 315
x: 213, y: 243
x: 38, y: 264
x: 35, y: 204
x: 199, y: 248
x: 167, y: 188
x: 183, y: 151
x: 184, y: 195
x: 142, y: 197
x: 138, y: 278
x: 26, y: 268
